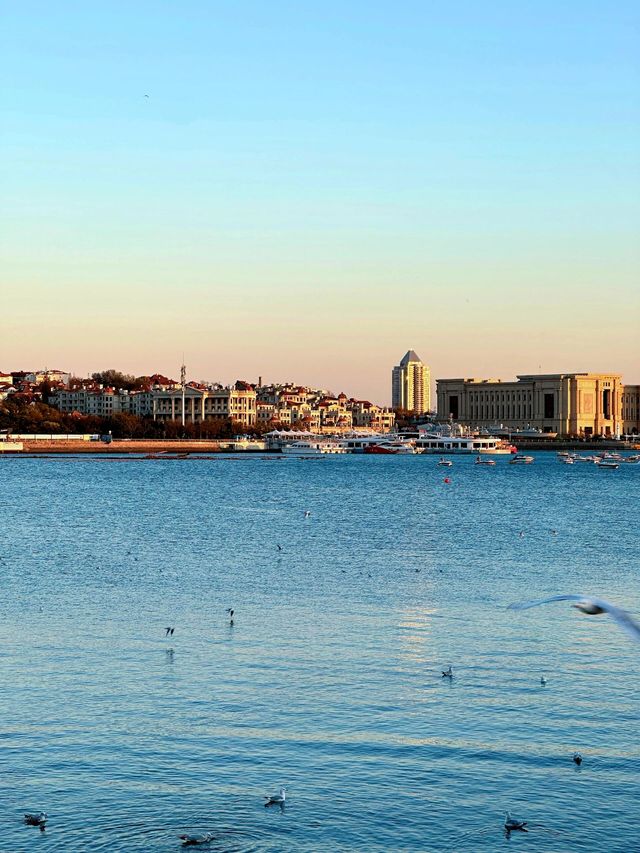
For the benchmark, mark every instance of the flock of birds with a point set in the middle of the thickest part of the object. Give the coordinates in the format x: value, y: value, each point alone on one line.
x: 589, y: 605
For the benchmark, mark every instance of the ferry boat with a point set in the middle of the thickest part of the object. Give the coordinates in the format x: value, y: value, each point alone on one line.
x: 312, y: 448
x: 361, y: 443
x: 446, y: 444
x: 521, y: 459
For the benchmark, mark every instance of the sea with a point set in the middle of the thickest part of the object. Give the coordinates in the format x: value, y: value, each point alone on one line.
x: 329, y: 681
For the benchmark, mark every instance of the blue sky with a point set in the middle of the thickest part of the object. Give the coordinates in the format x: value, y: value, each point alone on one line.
x: 311, y: 189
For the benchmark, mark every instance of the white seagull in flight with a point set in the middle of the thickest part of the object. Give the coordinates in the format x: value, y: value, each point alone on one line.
x: 592, y: 607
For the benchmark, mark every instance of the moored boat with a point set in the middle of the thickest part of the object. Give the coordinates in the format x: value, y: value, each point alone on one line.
x: 470, y: 444
x: 312, y: 448
x: 391, y: 448
x: 521, y: 459
x: 481, y: 461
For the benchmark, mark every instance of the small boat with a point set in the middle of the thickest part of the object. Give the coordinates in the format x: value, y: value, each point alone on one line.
x: 446, y: 463
x: 584, y: 458
x: 607, y: 463
x: 481, y: 461
x: 630, y: 459
x: 521, y: 459
x: 567, y: 460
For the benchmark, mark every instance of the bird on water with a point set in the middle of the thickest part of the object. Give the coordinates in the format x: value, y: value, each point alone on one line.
x: 592, y: 607
x: 36, y: 819
x: 447, y: 673
x: 276, y: 799
x: 512, y: 824
x: 193, y: 840
x: 543, y: 680
x: 169, y: 632
x: 230, y: 611
x: 577, y: 758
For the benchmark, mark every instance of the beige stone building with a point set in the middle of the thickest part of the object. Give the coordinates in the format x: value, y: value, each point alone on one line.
x: 631, y: 409
x: 565, y: 403
x: 237, y: 402
x: 411, y: 385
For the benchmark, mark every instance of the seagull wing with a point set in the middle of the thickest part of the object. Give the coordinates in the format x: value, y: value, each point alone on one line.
x: 621, y: 616
x: 524, y: 605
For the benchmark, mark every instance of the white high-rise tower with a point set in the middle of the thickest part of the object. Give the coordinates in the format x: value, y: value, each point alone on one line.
x: 411, y: 385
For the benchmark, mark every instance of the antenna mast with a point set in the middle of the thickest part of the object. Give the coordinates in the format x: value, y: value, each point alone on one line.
x: 183, y: 383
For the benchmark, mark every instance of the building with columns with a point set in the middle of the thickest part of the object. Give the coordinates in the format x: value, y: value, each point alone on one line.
x: 411, y: 385
x: 237, y: 402
x: 579, y: 404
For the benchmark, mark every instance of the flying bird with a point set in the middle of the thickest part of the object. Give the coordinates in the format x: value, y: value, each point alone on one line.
x: 307, y: 513
x: 276, y: 799
x: 512, y: 823
x: 592, y: 607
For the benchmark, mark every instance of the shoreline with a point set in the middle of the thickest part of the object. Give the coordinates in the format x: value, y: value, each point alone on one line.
x: 159, y: 449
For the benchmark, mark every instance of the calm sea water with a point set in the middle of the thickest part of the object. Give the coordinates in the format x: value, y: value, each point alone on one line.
x: 329, y: 681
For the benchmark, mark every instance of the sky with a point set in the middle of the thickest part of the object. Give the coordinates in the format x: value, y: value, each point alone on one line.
x: 311, y: 189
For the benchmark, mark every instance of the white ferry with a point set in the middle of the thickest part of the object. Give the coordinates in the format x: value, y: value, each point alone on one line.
x: 312, y: 448
x: 361, y: 443
x: 444, y: 444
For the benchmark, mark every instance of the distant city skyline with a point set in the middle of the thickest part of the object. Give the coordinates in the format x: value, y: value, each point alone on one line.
x: 307, y: 191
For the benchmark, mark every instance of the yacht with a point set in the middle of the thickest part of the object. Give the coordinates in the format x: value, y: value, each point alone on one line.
x: 481, y: 461
x: 521, y: 459
x: 312, y: 448
x: 447, y: 463
x: 391, y: 447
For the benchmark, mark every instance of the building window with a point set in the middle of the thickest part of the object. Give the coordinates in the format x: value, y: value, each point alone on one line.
x: 549, y: 407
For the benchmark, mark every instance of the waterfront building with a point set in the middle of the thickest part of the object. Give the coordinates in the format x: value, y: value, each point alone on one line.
x: 369, y: 416
x: 236, y: 402
x: 631, y: 409
x: 579, y: 404
x: 411, y: 385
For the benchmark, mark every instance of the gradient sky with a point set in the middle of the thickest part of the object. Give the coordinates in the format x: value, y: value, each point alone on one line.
x: 311, y: 189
